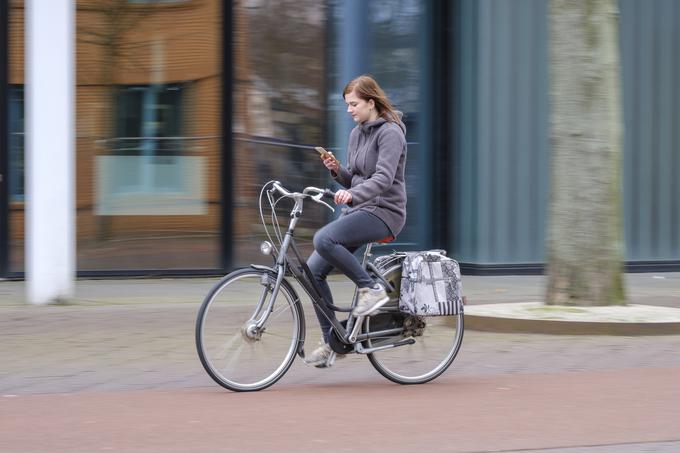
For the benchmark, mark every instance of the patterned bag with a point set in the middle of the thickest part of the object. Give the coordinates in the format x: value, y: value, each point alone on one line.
x: 430, y: 285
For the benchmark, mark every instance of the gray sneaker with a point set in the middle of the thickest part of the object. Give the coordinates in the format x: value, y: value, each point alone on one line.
x: 370, y: 299
x: 321, y: 357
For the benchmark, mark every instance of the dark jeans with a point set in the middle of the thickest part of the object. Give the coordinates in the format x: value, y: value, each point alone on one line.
x: 334, y: 245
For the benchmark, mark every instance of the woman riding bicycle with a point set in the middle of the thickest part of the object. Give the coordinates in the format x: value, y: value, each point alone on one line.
x: 376, y: 196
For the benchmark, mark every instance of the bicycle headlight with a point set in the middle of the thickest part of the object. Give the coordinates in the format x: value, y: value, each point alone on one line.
x: 266, y: 248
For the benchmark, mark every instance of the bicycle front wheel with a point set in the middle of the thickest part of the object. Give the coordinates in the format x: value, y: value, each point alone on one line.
x: 436, y: 341
x: 234, y: 351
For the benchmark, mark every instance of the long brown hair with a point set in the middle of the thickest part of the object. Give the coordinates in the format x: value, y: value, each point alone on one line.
x: 366, y: 88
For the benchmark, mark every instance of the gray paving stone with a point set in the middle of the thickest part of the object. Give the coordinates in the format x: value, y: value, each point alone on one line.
x: 649, y: 447
x: 64, y: 349
x: 124, y: 334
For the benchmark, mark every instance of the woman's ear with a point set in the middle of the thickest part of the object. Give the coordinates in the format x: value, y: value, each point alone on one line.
x: 371, y: 103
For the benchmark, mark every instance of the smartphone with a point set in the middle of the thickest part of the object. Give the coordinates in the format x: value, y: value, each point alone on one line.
x: 325, y: 154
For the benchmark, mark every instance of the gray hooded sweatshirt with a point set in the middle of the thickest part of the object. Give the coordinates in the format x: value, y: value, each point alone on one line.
x: 374, y: 175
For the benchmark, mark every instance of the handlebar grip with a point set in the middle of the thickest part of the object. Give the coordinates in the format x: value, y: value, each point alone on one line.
x: 328, y: 193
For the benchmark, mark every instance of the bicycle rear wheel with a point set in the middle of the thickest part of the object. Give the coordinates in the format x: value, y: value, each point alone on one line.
x: 236, y: 354
x: 437, y: 341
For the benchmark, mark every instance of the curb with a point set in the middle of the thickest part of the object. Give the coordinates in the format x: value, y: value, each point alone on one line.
x: 519, y: 325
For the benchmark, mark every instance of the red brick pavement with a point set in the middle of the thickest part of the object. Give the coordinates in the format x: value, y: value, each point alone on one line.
x: 454, y: 414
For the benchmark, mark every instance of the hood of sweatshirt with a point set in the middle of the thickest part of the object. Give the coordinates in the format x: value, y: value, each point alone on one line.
x: 368, y: 126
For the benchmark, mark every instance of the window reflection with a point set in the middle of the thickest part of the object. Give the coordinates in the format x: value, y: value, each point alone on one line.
x: 148, y: 111
x: 392, y: 51
x: 15, y: 116
x: 396, y: 38
x: 16, y: 143
x: 150, y: 166
x: 148, y: 134
x: 148, y: 119
x: 279, y: 110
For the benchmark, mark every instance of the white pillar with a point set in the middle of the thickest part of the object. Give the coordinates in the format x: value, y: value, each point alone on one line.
x: 50, y: 150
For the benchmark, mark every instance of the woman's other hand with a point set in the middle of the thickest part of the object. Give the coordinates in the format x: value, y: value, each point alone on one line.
x: 343, y: 197
x: 331, y: 164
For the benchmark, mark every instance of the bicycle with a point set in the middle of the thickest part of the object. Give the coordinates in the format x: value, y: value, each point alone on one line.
x: 251, y: 324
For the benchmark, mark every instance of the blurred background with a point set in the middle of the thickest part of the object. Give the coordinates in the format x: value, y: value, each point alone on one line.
x: 185, y: 108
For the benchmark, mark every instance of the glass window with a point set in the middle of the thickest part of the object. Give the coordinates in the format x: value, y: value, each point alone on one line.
x: 388, y: 40
x: 149, y: 157
x: 148, y: 128
x: 15, y: 111
x: 151, y: 2
x: 148, y: 121
x: 397, y: 36
x: 279, y: 112
x: 16, y: 143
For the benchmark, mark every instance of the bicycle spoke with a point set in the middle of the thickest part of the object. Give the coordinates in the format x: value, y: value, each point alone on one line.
x: 233, y: 359
x: 279, y: 311
x: 275, y: 333
x: 227, y: 346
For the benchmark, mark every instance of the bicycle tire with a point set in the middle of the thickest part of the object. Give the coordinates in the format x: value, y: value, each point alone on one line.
x: 231, y: 353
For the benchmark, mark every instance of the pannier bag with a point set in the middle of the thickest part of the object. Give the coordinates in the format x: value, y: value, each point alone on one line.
x: 430, y: 285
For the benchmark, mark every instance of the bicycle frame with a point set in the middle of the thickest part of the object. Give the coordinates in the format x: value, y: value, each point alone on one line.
x: 303, y: 275
x: 246, y: 350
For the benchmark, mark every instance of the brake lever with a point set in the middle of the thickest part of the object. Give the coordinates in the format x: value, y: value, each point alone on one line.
x: 317, y: 198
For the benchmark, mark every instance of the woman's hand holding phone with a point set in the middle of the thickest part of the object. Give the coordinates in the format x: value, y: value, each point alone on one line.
x: 331, y: 164
x: 329, y: 160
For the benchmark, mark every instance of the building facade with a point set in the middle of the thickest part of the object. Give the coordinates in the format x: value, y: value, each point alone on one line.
x: 184, y: 108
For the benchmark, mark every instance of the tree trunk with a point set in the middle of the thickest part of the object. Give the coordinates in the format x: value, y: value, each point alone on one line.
x: 584, y: 244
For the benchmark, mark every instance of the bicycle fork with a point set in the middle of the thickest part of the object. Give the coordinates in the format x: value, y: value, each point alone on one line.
x: 253, y: 328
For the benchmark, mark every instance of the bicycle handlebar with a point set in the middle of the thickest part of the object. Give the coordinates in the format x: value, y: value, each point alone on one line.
x: 306, y: 193
x: 277, y: 185
x: 328, y: 193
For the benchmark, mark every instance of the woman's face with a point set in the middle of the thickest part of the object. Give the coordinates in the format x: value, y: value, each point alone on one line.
x: 360, y: 110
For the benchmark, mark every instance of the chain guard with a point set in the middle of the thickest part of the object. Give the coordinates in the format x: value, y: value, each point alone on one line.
x: 337, y: 345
